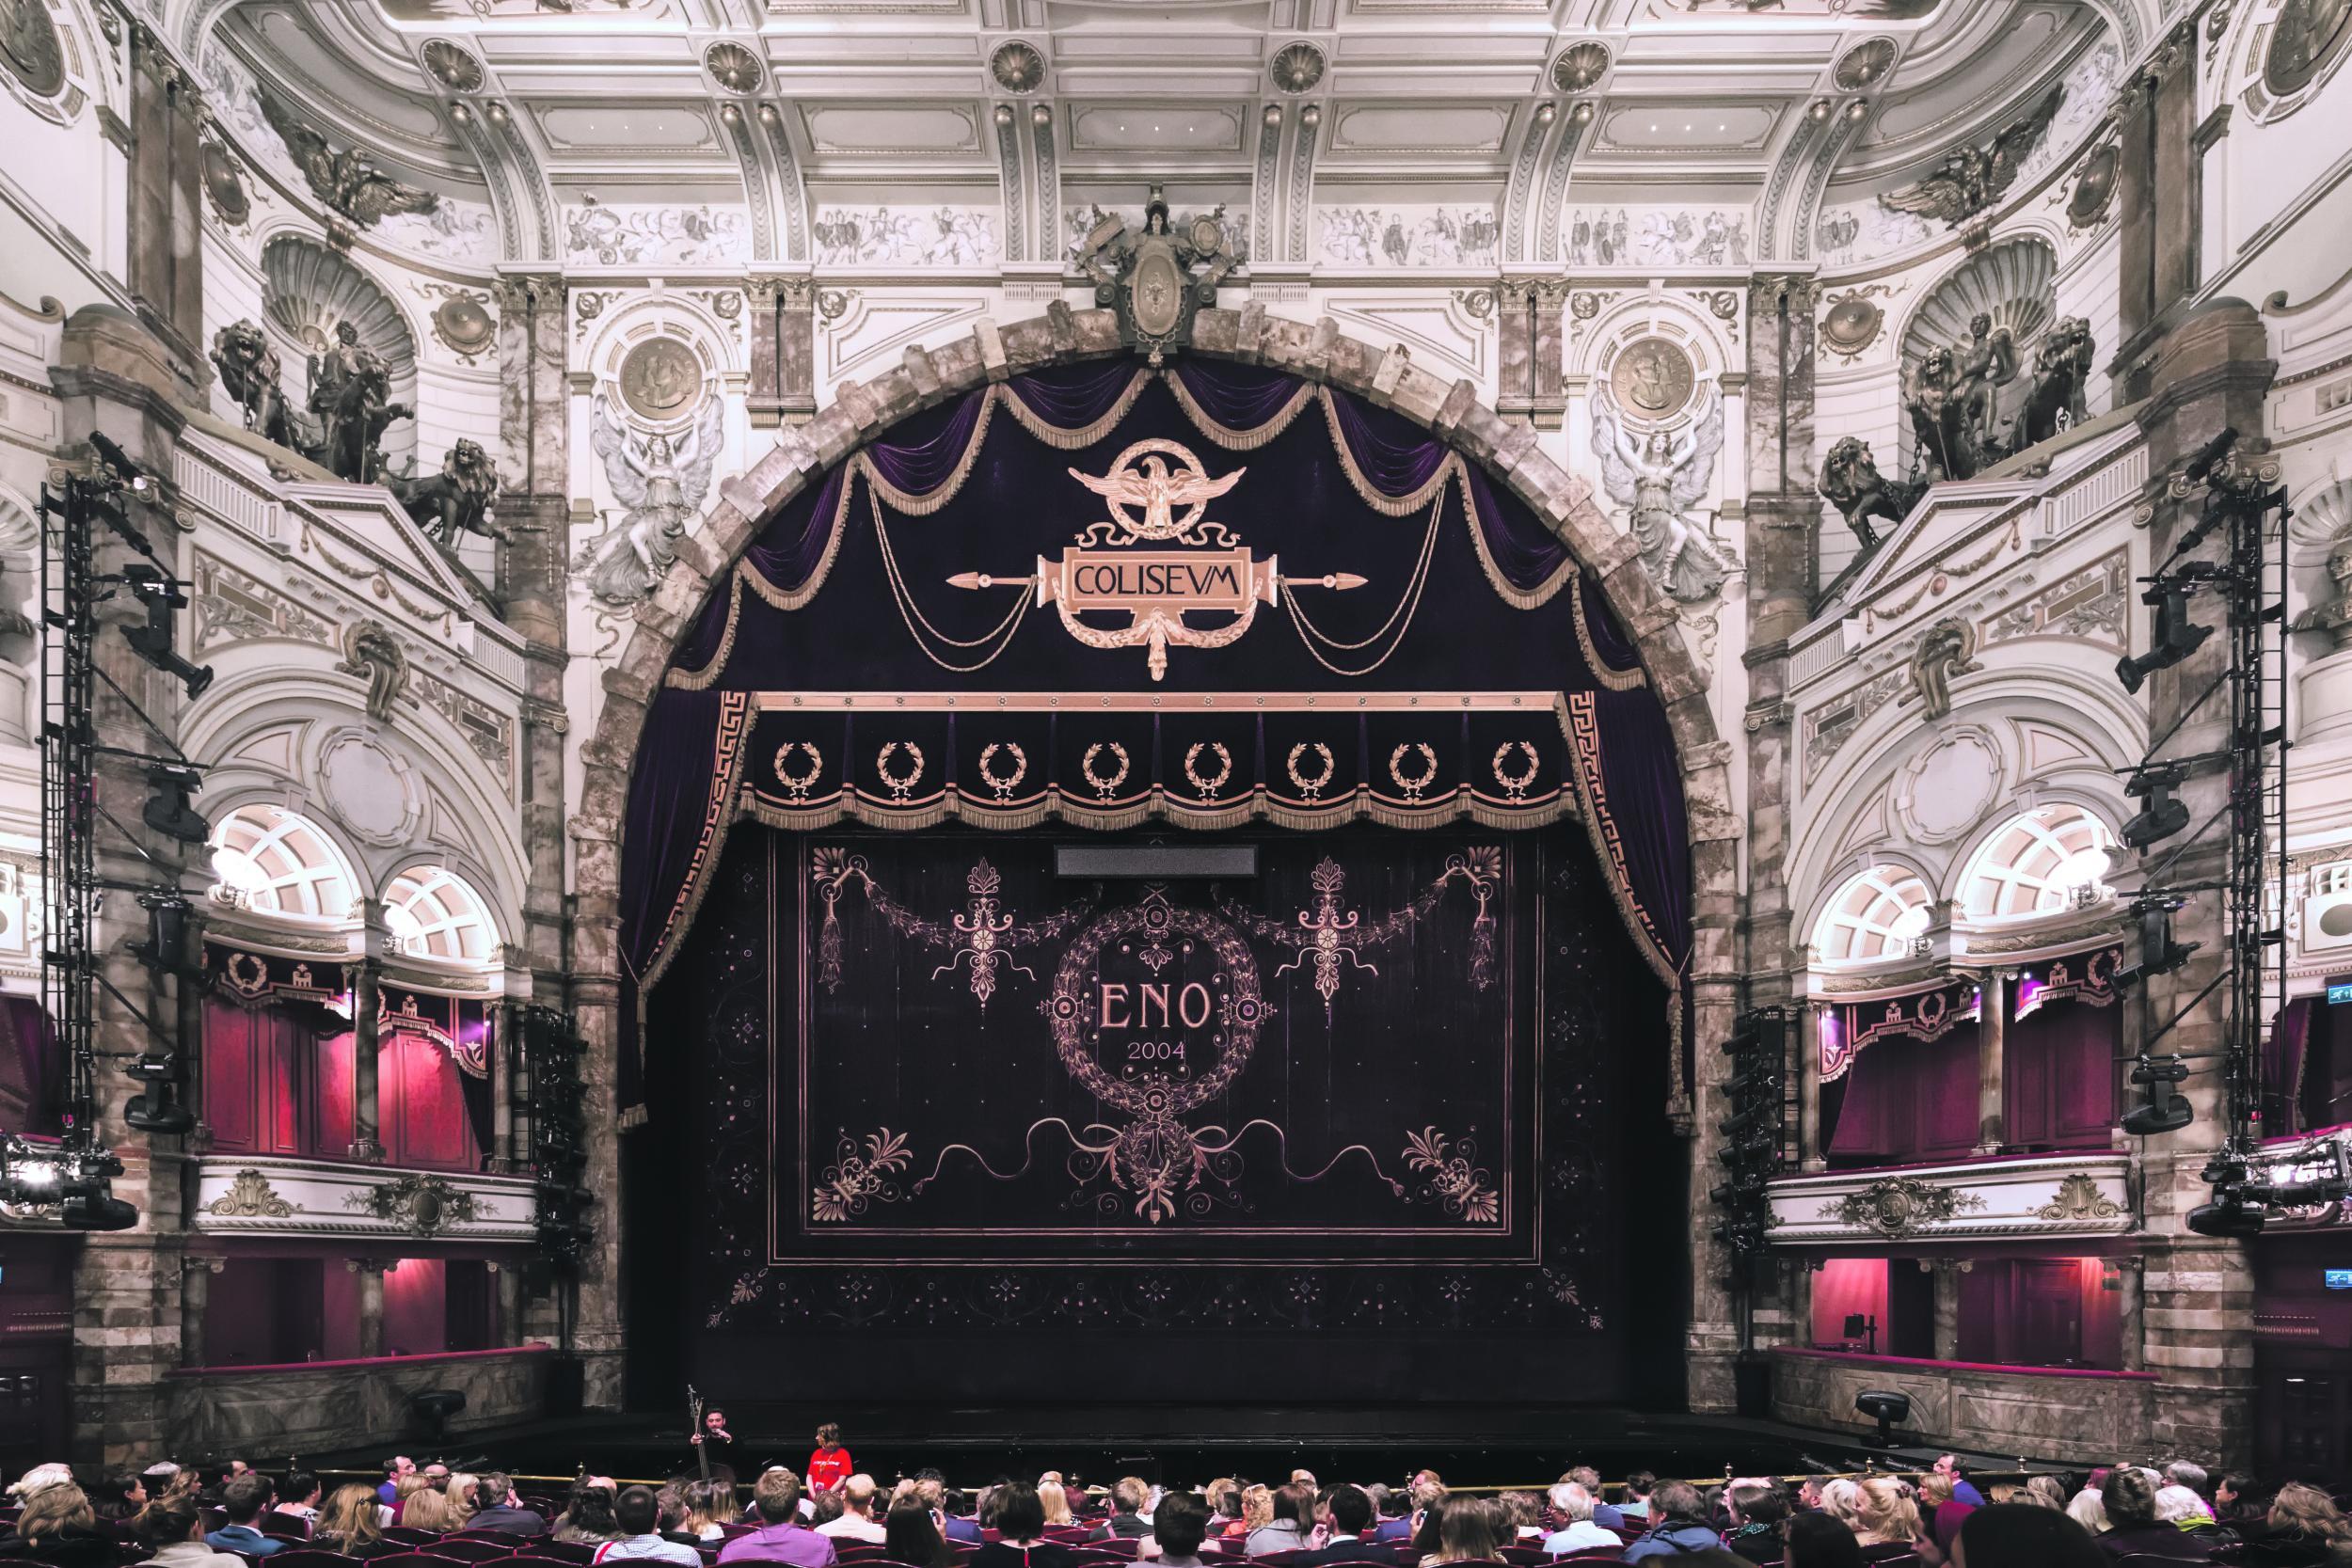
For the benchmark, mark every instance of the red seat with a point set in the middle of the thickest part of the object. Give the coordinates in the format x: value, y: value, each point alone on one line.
x: 539, y: 1559
x: 408, y: 1537
x: 410, y: 1559
x: 506, y: 1538
x: 312, y: 1557
x: 564, y: 1551
x: 468, y: 1548
x: 1525, y: 1557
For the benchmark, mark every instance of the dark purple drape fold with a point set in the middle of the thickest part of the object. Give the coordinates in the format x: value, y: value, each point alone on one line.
x: 1073, y: 396
x: 37, y: 1059
x: 1239, y: 396
x: 924, y: 466
x: 1526, y: 553
x: 2282, y: 1066
x: 1394, y: 467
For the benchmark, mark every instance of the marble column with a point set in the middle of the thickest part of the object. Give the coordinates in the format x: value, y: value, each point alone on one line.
x: 2130, y: 1314
x: 508, y: 1329
x: 1811, y: 1156
x: 2211, y: 369
x: 784, y: 352
x: 119, y: 375
x: 1992, y: 1062
x: 366, y: 1042
x: 195, y: 1293
x: 165, y: 258
x: 370, y: 1271
x: 1528, y: 363
x: 1947, y: 1271
x: 2157, y: 197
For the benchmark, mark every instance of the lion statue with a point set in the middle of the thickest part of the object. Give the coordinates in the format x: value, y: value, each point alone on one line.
x: 1851, y: 482
x: 2061, y: 372
x: 1938, y: 406
x: 455, y: 500
x: 249, y: 373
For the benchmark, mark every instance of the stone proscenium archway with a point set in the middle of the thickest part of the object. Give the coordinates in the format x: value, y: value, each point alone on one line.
x: 1318, y: 352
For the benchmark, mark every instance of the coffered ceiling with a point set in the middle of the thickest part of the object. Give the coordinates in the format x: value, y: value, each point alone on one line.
x: 1276, y: 107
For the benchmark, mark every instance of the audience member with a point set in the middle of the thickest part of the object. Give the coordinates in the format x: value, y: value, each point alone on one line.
x: 955, y: 1525
x: 1525, y: 1512
x: 830, y: 1464
x: 394, y: 1467
x: 1638, y: 1488
x: 1021, y: 1533
x: 351, y: 1523
x: 1352, y: 1518
x: 58, y: 1527
x: 502, y: 1509
x: 2179, y: 1505
x: 2182, y: 1472
x: 1963, y: 1488
x: 299, y: 1500
x: 1940, y: 1508
x: 2018, y: 1535
x: 1130, y: 1498
x: 1886, y: 1515
x: 781, y: 1536
x: 119, y: 1496
x: 1758, y: 1508
x: 2130, y: 1498
x: 242, y: 1499
x: 431, y: 1507
x: 1257, y: 1511
x: 1473, y: 1530
x: 857, y: 1521
x: 1055, y: 1499
x: 2041, y: 1492
x: 171, y: 1531
x: 1841, y: 1499
x: 1573, y: 1501
x: 587, y: 1515
x: 1287, y: 1529
x: 2089, y: 1508
x: 2233, y: 1500
x: 1818, y: 1541
x: 1605, y: 1516
x: 2305, y: 1527
x: 639, y: 1513
x: 1421, y: 1492
x: 911, y: 1535
x: 1678, y: 1523
x: 1178, y: 1525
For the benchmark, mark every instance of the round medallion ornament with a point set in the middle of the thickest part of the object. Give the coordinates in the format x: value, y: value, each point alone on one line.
x: 1296, y: 66
x: 1207, y: 234
x: 2306, y: 38
x: 1864, y: 65
x: 2094, y: 186
x: 1653, y: 379
x: 661, y: 380
x: 30, y: 48
x: 464, y: 325
x: 1580, y: 67
x: 1852, y: 324
x: 452, y: 67
x: 217, y: 168
x: 1017, y: 66
x: 733, y: 67
x: 1155, y: 1009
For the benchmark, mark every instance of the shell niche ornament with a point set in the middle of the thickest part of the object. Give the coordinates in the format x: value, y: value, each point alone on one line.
x: 1017, y: 66
x: 733, y: 67
x: 1864, y: 65
x: 452, y: 67
x: 1579, y: 66
x: 1296, y: 66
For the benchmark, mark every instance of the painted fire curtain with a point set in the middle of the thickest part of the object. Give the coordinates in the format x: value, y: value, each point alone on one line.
x: 1395, y: 640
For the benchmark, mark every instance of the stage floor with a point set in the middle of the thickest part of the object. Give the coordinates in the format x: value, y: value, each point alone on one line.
x: 1185, y: 1445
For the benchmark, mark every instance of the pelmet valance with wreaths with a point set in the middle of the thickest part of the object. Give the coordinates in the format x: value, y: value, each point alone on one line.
x: 1114, y: 595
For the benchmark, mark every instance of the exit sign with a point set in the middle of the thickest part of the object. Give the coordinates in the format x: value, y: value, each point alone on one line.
x: 2339, y: 990
x: 2339, y: 1279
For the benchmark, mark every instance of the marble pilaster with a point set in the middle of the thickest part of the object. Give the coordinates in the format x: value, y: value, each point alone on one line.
x: 1529, y: 364
x: 1992, y: 1065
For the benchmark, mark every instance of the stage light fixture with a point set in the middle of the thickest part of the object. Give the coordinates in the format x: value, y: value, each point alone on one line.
x: 2176, y: 636
x: 156, y: 1107
x: 1732, y: 1126
x: 2161, y: 812
x: 161, y: 596
x: 1885, y: 1406
x: 2158, y: 953
x: 96, y: 1210
x: 170, y: 921
x: 2227, y: 1215
x: 2163, y: 1111
x: 167, y: 810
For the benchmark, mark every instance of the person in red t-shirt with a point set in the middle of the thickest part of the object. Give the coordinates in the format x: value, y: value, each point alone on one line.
x: 830, y: 1465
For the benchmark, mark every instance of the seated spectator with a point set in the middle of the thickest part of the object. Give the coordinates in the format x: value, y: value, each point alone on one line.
x: 119, y: 1496
x: 1638, y: 1488
x: 639, y: 1513
x: 1178, y: 1525
x: 911, y: 1535
x: 1818, y: 1541
x: 1055, y: 1499
x: 431, y: 1507
x: 1286, y: 1531
x: 1473, y: 1530
x: 1525, y: 1512
x: 587, y: 1515
x: 58, y: 1527
x: 1257, y: 1511
x: 1130, y: 1498
x: 243, y: 1499
x: 2180, y: 1506
x: 1948, y: 1465
x: 2305, y: 1527
x: 1573, y: 1501
x: 1758, y: 1508
x: 1021, y: 1532
x: 959, y: 1525
x: 1679, y: 1524
x: 1887, y: 1513
x: 1420, y: 1494
x: 1841, y: 1499
x: 2017, y: 1535
x: 1809, y: 1493
x: 1941, y: 1509
x: 1352, y: 1518
x: 2041, y: 1492
x: 669, y: 1515
x: 1605, y: 1516
x: 351, y: 1523
x: 502, y: 1509
x: 2087, y: 1509
x: 171, y: 1533
x: 781, y: 1536
x: 2180, y: 1472
x: 2233, y: 1501
x: 394, y: 1467
x: 857, y: 1521
x: 463, y: 1493
x: 300, y: 1501
x: 1379, y: 1493
x: 2130, y: 1498
x: 822, y: 1509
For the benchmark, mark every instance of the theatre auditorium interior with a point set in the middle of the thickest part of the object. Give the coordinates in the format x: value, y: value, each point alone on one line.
x: 1048, y: 784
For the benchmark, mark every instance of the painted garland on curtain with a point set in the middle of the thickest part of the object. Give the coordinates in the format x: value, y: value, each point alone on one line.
x: 1352, y: 624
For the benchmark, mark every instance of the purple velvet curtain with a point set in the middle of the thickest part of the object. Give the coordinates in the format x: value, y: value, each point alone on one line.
x: 2282, y: 1066
x: 32, y: 1074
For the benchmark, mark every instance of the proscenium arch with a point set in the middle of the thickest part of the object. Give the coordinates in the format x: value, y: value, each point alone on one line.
x: 1317, y: 350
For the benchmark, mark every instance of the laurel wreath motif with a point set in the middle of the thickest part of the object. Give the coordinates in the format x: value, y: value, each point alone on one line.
x: 1207, y: 787
x: 799, y: 784
x: 1517, y: 787
x: 1412, y: 787
x: 1311, y: 788
x: 899, y: 787
x: 1103, y: 786
x: 1005, y: 786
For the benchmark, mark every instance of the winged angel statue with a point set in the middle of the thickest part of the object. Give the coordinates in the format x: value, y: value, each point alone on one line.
x: 347, y: 182
x: 1658, y: 477
x: 662, y: 488
x: 1973, y: 178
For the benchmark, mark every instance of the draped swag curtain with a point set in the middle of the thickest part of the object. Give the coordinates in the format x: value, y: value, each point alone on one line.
x: 845, y: 591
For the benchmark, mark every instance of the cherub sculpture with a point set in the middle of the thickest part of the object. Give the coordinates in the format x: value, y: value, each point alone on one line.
x: 660, y: 485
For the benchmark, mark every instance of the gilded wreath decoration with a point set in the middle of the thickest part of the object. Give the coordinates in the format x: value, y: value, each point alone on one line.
x: 251, y: 1197
x: 797, y: 784
x: 2078, y: 1198
x: 1105, y: 787
x: 1898, y: 1205
x: 900, y: 787
x: 421, y: 1205
x: 1428, y: 774
x: 249, y: 975
x: 1516, y: 786
x: 1003, y: 786
x: 1206, y: 787
x: 1311, y: 788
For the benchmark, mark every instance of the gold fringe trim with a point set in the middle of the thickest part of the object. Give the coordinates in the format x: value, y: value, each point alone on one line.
x: 1597, y: 831
x: 1518, y: 599
x: 1391, y: 506
x: 1057, y: 806
x: 1063, y: 438
x: 797, y: 598
x: 940, y: 494
x: 707, y: 677
x: 720, y: 814
x: 1229, y: 437
x: 1609, y: 677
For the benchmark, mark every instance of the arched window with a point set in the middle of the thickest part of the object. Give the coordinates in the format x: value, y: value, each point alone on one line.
x: 278, y: 862
x: 434, y: 912
x: 2049, y: 859
x: 1875, y: 916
